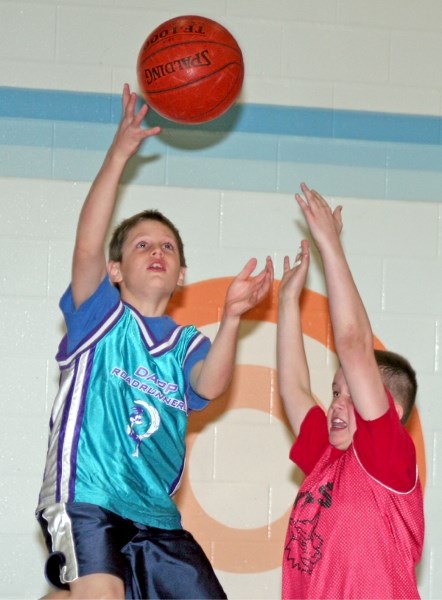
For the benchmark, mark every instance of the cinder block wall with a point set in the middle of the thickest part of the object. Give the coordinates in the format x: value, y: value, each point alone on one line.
x: 343, y: 94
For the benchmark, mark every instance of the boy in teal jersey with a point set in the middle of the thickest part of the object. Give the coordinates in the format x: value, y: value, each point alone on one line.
x: 129, y: 376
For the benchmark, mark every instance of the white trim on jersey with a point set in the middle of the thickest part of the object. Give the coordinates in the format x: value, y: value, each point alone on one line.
x: 78, y: 376
x: 59, y: 527
x: 383, y: 484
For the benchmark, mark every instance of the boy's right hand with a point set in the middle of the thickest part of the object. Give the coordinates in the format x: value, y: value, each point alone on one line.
x: 245, y: 291
x: 130, y: 134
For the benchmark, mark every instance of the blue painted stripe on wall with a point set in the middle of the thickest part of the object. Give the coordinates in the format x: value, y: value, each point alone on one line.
x: 84, y: 107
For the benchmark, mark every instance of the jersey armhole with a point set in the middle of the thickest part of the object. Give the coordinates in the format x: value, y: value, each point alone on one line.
x: 385, y: 449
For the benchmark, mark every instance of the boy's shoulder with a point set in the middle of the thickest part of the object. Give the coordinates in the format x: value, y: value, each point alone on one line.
x: 106, y: 295
x: 82, y: 320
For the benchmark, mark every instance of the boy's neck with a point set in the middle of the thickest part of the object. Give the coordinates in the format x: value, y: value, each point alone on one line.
x: 148, y: 307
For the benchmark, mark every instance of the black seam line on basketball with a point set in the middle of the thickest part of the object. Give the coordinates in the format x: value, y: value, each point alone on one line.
x: 194, y: 119
x: 207, y: 112
x: 189, y: 83
x: 214, y: 107
x: 188, y: 43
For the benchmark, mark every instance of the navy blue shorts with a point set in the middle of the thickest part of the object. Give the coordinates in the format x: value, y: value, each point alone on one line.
x: 83, y: 539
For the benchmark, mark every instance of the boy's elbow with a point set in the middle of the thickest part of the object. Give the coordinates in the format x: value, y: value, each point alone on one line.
x: 208, y: 382
x: 211, y: 391
x: 353, y: 342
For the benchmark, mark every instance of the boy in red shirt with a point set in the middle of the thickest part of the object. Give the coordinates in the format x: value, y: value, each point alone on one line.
x: 357, y: 526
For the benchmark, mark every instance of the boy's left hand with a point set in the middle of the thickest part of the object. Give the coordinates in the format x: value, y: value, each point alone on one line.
x: 324, y: 223
x: 245, y: 291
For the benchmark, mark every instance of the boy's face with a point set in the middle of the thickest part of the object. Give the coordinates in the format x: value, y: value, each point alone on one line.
x: 341, y: 420
x: 150, y: 261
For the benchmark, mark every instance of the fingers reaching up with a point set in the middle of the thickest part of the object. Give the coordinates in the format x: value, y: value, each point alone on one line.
x: 323, y: 222
x: 130, y: 132
x: 246, y: 291
x: 294, y: 277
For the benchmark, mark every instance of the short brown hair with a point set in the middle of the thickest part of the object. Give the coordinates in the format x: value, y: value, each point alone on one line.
x: 120, y: 233
x: 400, y: 379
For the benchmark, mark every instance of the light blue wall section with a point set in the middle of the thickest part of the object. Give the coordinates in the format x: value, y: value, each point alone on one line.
x: 64, y: 135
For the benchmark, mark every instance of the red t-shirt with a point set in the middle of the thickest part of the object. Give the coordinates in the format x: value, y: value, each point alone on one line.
x: 357, y: 525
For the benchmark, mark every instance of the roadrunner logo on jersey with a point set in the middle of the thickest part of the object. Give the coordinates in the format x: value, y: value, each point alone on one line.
x: 144, y: 421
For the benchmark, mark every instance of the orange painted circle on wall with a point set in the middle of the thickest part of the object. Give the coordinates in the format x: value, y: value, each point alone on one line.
x: 259, y: 549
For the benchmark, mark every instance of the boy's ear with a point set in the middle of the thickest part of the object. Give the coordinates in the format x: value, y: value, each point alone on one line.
x: 180, y: 281
x: 113, y: 268
x: 399, y: 409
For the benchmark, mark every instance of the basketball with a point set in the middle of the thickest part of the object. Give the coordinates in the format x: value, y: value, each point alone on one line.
x: 190, y: 69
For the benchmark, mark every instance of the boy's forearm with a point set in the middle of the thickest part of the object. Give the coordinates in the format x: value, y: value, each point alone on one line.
x: 216, y: 370
x: 89, y: 258
x: 351, y: 326
x: 293, y: 373
x: 100, y: 202
x: 291, y: 358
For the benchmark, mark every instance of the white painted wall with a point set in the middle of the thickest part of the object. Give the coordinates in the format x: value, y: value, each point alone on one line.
x: 382, y: 55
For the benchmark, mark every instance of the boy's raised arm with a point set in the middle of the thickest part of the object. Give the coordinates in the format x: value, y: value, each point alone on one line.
x: 89, y: 260
x: 293, y: 372
x: 212, y: 376
x: 351, y: 327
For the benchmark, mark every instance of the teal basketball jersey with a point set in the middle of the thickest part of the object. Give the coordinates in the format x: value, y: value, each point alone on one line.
x: 118, y: 424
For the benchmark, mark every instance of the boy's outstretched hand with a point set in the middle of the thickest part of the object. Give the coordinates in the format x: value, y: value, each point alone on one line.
x: 325, y: 225
x: 211, y: 377
x: 130, y: 133
x: 293, y: 279
x: 245, y: 291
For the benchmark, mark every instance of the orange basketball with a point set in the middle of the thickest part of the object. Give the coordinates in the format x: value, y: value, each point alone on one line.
x: 190, y: 69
